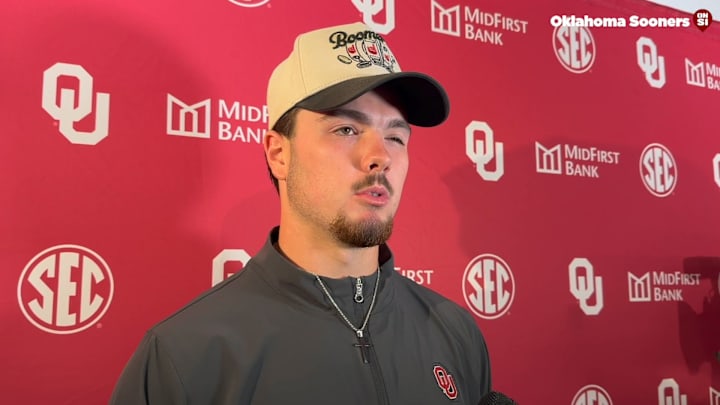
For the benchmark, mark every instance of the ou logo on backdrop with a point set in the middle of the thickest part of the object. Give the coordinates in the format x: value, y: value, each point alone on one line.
x: 484, y: 151
x: 592, y: 395
x: 488, y: 286
x: 67, y: 113
x: 650, y: 62
x: 584, y: 287
x: 219, y: 273
x: 65, y: 289
x: 369, y: 8
x: 673, y: 397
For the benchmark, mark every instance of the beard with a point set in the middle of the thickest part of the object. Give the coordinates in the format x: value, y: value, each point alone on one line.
x: 362, y: 234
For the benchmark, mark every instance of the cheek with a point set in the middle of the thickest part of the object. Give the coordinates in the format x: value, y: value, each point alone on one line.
x: 397, y: 178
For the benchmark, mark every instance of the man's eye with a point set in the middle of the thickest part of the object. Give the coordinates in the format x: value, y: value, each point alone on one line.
x: 346, y: 131
x: 397, y: 139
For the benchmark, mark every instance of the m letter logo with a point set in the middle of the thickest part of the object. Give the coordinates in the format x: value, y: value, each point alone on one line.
x: 445, y: 20
x: 188, y: 120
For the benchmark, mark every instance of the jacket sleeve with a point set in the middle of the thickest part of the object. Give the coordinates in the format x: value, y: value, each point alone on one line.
x: 149, y: 378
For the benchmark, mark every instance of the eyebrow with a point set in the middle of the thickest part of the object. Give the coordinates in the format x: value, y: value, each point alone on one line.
x: 363, y: 118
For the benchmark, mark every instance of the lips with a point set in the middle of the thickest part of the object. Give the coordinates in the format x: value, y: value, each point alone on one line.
x: 375, y: 195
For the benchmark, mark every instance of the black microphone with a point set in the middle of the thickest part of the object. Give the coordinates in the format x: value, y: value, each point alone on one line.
x: 496, y: 398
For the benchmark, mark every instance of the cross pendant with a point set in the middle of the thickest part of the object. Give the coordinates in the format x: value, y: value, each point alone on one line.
x: 364, y: 345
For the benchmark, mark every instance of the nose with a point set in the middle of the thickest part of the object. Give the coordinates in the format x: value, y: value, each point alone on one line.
x: 375, y: 155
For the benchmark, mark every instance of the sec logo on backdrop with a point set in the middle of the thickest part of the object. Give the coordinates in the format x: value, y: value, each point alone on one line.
x: 65, y: 289
x: 488, y: 286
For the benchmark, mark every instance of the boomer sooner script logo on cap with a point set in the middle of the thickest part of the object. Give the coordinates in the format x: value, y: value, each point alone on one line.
x: 366, y: 48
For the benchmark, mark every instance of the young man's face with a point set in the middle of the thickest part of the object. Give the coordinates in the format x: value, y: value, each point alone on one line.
x: 347, y: 169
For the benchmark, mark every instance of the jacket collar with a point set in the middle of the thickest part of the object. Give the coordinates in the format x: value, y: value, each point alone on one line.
x: 302, y: 288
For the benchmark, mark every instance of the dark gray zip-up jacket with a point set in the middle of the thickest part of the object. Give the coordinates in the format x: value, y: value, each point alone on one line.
x: 269, y: 336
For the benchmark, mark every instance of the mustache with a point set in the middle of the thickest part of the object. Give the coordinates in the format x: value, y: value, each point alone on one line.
x: 371, y: 180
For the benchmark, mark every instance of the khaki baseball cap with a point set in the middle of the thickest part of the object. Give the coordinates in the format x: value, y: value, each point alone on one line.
x: 332, y: 66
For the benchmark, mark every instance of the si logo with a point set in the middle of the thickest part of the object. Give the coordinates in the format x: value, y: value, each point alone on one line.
x: 702, y: 19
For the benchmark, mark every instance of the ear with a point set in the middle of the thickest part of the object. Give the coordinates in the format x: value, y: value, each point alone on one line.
x: 277, y: 150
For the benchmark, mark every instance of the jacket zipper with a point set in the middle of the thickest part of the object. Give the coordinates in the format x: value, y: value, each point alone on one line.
x: 383, y: 398
x: 375, y: 370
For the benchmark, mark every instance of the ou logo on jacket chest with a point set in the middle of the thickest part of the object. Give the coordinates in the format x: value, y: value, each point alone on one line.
x: 445, y: 381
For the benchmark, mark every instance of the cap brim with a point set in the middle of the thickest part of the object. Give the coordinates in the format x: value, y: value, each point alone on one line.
x: 420, y: 97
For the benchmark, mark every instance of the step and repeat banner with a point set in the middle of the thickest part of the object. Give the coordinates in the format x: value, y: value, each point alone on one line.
x: 571, y: 202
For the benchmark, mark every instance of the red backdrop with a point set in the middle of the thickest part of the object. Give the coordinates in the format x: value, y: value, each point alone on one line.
x: 569, y: 202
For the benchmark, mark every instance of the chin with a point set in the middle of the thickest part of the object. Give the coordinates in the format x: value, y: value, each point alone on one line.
x: 361, y: 233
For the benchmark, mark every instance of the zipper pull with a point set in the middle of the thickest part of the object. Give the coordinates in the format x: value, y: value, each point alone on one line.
x: 359, y: 291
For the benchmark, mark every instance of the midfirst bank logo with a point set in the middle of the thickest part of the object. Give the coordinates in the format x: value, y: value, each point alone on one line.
x: 371, y: 8
x: 475, y: 25
x: 65, y: 289
x: 669, y: 393
x: 487, y: 154
x: 714, y: 396
x: 702, y: 74
x: 660, y: 286
x: 652, y: 64
x: 573, y: 160
x: 586, y: 286
x: 62, y: 106
x: 220, y: 271
x: 658, y: 170
x: 592, y: 395
x: 233, y: 122
x: 488, y: 286
x: 422, y: 277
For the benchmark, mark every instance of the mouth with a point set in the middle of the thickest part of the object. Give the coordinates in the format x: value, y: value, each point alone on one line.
x: 375, y: 195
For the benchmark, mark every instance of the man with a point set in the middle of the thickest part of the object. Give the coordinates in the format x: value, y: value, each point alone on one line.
x: 319, y: 315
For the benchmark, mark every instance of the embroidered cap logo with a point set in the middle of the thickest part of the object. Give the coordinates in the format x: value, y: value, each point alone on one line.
x: 445, y: 381
x: 365, y: 48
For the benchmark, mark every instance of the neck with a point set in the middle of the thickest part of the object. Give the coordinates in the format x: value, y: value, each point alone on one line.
x: 323, y: 255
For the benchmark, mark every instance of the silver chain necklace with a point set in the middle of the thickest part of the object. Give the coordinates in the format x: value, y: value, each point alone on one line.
x: 358, y: 331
